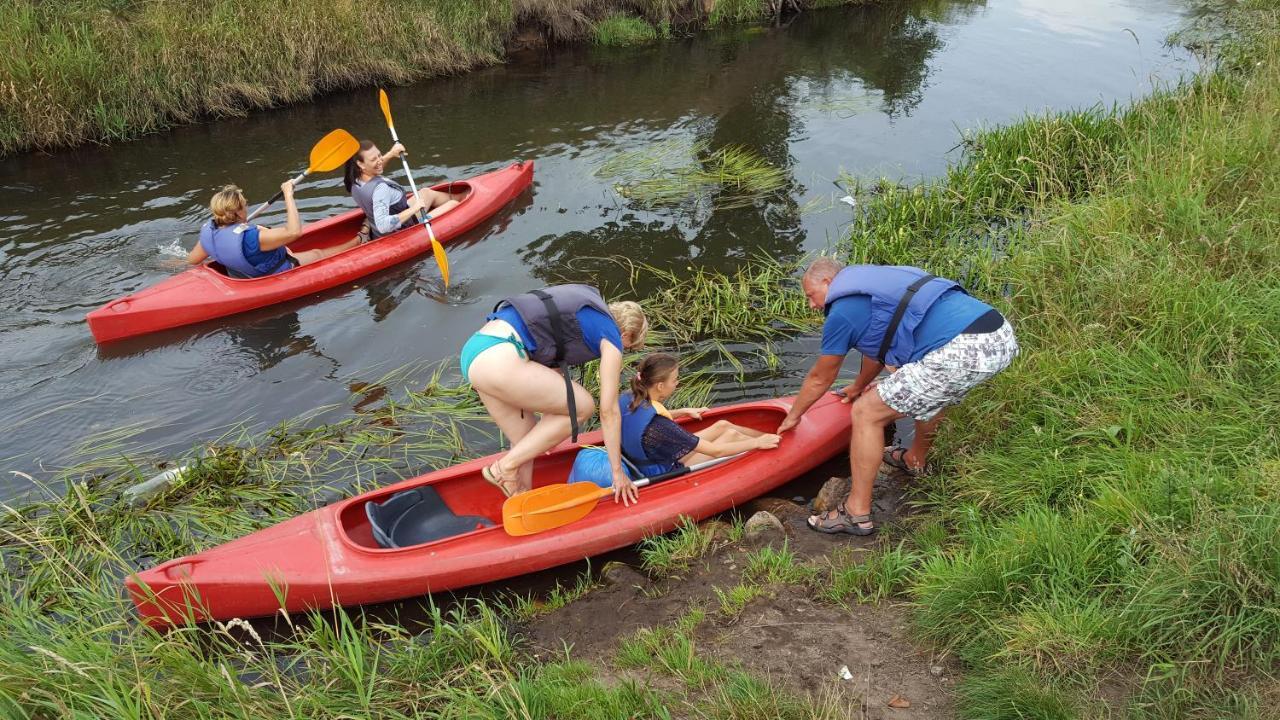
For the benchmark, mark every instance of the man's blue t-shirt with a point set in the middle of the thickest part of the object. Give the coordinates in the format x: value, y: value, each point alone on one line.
x: 948, y: 317
x: 596, y: 326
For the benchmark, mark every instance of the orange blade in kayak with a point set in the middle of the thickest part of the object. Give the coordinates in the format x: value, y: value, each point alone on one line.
x: 550, y: 507
x: 332, y: 150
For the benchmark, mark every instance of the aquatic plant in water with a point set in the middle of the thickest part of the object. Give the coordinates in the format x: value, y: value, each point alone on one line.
x: 680, y: 174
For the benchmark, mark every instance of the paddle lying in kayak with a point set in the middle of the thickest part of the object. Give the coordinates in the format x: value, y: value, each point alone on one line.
x: 550, y: 507
x: 436, y: 247
x: 330, y: 153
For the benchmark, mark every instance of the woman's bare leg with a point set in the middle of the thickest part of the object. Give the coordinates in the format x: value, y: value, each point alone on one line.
x: 515, y: 424
x: 307, y: 257
x: 499, y: 374
x: 438, y: 203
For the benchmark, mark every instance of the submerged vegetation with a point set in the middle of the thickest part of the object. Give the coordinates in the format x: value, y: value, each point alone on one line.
x: 680, y: 174
x: 104, y: 70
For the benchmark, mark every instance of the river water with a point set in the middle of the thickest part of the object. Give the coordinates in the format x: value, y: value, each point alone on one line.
x: 868, y: 92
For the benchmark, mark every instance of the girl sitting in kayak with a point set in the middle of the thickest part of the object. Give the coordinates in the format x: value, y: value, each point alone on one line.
x: 384, y: 202
x: 655, y: 443
x: 250, y: 251
x: 509, y: 362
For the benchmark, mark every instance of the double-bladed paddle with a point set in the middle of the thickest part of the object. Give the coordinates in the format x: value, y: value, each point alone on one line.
x: 328, y: 154
x: 553, y: 506
x: 441, y: 259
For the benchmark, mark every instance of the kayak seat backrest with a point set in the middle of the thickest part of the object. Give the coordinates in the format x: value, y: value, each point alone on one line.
x: 417, y: 516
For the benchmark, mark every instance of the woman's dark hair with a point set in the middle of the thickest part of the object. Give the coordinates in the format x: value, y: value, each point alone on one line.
x: 351, y: 172
x: 653, y: 369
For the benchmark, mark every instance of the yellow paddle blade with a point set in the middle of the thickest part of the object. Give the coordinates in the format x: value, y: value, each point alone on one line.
x: 386, y: 106
x: 441, y: 259
x: 333, y: 150
x: 550, y: 507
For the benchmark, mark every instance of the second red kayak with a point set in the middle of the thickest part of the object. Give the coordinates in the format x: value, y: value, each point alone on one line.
x: 203, y: 293
x: 330, y: 556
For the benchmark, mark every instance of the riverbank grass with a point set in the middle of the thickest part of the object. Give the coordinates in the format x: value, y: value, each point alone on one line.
x: 1111, y: 496
x: 108, y: 70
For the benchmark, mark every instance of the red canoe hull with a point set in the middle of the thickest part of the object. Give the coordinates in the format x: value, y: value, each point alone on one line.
x: 328, y: 557
x: 202, y: 293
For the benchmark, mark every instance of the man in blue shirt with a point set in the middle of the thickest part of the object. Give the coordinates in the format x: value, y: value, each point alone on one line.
x: 941, y: 341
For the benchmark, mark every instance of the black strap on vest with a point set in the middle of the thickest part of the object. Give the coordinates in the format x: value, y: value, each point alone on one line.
x: 559, y: 332
x: 898, y: 312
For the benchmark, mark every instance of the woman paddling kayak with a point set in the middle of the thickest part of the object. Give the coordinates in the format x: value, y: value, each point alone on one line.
x: 509, y: 362
x: 655, y: 443
x: 250, y: 251
x: 384, y: 202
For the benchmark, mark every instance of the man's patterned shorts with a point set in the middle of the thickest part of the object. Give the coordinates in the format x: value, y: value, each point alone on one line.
x: 943, y: 377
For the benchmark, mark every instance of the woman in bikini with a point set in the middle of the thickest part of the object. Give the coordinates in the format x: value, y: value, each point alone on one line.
x: 510, y: 362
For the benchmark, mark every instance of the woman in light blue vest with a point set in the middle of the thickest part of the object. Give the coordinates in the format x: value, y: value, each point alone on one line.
x: 250, y: 251
x: 387, y: 206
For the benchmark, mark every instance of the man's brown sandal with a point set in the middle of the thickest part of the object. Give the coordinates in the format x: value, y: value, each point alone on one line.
x: 840, y: 521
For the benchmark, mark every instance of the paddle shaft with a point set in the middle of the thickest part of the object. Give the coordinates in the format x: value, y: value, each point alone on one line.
x: 413, y: 187
x: 279, y: 194
x: 642, y: 482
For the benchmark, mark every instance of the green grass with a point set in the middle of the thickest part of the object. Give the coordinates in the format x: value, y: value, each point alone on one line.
x: 106, y: 70
x: 624, y: 30
x: 671, y: 553
x: 726, y: 691
x: 736, y: 599
x: 777, y: 566
x: 1110, y: 499
x: 869, y: 577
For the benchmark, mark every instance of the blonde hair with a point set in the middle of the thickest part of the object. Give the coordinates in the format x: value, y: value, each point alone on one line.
x: 227, y: 204
x: 630, y: 319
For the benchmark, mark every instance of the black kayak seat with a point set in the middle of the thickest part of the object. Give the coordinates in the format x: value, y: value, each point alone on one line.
x: 417, y: 516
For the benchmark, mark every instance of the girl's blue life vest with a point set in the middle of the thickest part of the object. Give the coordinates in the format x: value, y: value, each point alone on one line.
x: 226, y: 245
x: 362, y: 193
x: 890, y: 336
x: 633, y: 427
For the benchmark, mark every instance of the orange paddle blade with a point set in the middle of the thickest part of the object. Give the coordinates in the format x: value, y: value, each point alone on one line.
x: 441, y: 259
x: 385, y: 103
x: 550, y: 507
x: 332, y: 150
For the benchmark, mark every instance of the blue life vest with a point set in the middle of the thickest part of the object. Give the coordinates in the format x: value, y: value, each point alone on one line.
x: 888, y: 286
x: 226, y: 245
x: 592, y: 465
x: 362, y: 193
x: 633, y: 427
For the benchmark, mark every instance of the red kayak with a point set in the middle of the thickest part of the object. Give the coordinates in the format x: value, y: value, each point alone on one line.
x: 329, y: 556
x: 204, y: 293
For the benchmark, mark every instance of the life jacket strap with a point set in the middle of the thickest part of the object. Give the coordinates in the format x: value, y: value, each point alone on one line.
x: 898, y: 312
x: 559, y: 332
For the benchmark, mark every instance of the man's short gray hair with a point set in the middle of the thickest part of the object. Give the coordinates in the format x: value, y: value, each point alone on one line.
x: 823, y: 268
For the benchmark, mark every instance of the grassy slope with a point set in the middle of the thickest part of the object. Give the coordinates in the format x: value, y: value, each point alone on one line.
x: 1112, y: 497
x: 104, y: 70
